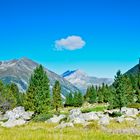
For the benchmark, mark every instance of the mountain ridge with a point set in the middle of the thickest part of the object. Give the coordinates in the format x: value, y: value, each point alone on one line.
x: 81, y: 80
x: 19, y: 71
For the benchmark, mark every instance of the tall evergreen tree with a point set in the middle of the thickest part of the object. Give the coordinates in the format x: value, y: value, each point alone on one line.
x: 91, y: 95
x: 78, y: 99
x: 69, y: 100
x: 57, y: 99
x: 100, y: 95
x: 15, y: 91
x: 121, y: 90
x: 7, y: 99
x: 38, y: 94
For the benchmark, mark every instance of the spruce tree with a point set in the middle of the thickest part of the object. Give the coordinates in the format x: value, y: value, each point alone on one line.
x: 38, y: 94
x: 69, y: 100
x: 7, y: 99
x: 78, y: 99
x: 92, y: 98
x: 15, y: 91
x: 100, y: 95
x: 57, y: 99
x: 121, y: 90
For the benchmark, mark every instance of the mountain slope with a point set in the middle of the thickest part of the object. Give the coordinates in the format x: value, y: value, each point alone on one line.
x: 19, y: 72
x: 133, y: 70
x: 81, y: 80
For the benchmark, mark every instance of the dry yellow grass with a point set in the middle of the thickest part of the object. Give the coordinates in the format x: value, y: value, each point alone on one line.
x: 42, y: 131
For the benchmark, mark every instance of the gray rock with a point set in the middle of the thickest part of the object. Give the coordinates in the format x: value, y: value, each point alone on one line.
x: 100, y: 114
x: 27, y: 115
x: 104, y: 121
x: 79, y: 120
x: 13, y: 123
x: 129, y: 111
x: 56, y: 119
x: 64, y: 125
x: 119, y: 119
x: 15, y: 117
x: 74, y: 113
x: 90, y: 116
x: 17, y: 113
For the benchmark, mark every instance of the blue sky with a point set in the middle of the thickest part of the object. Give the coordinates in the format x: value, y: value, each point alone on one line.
x: 110, y: 30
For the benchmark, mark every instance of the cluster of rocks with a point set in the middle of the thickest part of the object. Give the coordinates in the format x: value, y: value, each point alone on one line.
x: 17, y: 116
x: 103, y: 118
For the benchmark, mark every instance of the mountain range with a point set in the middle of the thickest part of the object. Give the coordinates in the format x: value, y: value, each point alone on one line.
x: 19, y: 71
x: 81, y: 80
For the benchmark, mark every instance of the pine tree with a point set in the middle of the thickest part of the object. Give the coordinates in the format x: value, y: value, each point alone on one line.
x: 92, y: 95
x: 15, y: 91
x: 100, y: 95
x: 69, y: 100
x: 7, y: 99
x: 120, y: 91
x: 78, y: 99
x: 38, y: 94
x: 57, y: 99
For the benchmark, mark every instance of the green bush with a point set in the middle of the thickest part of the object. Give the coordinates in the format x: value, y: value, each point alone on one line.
x: 42, y: 117
x: 135, y: 105
x: 115, y: 114
x: 95, y: 109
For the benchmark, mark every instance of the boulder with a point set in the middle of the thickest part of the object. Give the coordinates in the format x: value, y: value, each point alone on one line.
x: 119, y: 119
x: 79, y: 120
x: 128, y: 112
x: 90, y: 116
x: 27, y: 115
x: 13, y: 123
x: 64, y: 125
x: 104, y: 121
x: 74, y: 113
x: 100, y: 114
x: 17, y: 116
x: 56, y: 119
x: 17, y: 113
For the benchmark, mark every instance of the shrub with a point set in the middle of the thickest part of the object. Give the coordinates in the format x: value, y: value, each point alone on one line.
x: 96, y: 109
x: 115, y: 114
x: 42, y: 117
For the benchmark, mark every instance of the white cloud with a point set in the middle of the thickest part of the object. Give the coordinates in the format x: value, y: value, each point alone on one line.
x: 70, y: 43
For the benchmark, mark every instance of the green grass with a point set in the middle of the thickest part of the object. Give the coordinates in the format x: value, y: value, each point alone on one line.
x: 42, y: 131
x: 95, y: 109
x: 135, y: 105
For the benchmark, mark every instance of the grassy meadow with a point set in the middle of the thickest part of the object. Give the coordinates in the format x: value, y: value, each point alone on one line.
x: 43, y: 131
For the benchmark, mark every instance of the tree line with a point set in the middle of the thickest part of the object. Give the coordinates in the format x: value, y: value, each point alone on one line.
x: 124, y: 91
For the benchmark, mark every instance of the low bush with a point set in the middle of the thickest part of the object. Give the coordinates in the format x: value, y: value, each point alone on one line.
x: 115, y: 114
x: 95, y: 109
x: 42, y: 117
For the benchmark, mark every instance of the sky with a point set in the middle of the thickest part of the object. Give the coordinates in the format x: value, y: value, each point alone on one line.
x: 96, y: 36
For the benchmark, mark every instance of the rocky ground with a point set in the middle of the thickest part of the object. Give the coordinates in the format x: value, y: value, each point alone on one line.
x: 19, y: 116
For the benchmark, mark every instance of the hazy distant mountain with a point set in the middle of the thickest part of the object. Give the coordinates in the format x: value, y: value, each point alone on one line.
x: 81, y: 80
x: 19, y: 72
